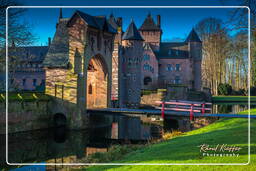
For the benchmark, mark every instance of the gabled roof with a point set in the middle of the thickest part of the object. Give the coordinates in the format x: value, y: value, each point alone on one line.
x: 172, y: 50
x: 193, y: 37
x: 98, y: 22
x: 149, y: 24
x: 132, y: 33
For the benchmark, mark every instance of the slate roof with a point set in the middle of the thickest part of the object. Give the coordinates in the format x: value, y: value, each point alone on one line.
x: 193, y: 37
x: 58, y: 53
x: 169, y: 50
x: 30, y: 53
x: 98, y: 22
x: 149, y: 24
x: 112, y: 21
x: 132, y: 33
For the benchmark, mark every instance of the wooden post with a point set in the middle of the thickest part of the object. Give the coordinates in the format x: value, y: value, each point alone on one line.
x: 55, y: 90
x: 62, y: 92
x: 162, y: 110
x: 203, y: 109
x: 191, y: 112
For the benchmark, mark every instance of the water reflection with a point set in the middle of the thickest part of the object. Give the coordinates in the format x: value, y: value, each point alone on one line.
x: 232, y: 108
x: 59, y: 145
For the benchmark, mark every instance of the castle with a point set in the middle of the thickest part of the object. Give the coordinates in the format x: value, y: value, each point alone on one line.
x: 93, y: 63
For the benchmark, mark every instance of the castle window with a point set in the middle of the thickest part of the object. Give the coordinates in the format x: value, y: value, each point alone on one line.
x: 34, y: 82
x: 134, y: 77
x: 177, y: 68
x: 129, y: 92
x: 129, y: 61
x: 147, y: 80
x: 169, y: 67
x: 24, y: 82
x: 146, y: 67
x: 170, y: 52
x: 90, y: 89
x: 146, y: 57
x: 177, y: 80
x: 177, y: 53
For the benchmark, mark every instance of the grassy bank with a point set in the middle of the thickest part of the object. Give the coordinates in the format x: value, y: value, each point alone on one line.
x: 232, y: 99
x: 184, y: 149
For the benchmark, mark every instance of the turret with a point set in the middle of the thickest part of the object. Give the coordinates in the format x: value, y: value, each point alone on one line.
x: 195, y: 54
x: 132, y: 53
x: 194, y: 45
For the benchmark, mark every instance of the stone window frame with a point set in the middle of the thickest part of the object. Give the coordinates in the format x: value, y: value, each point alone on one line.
x: 146, y: 57
x: 178, y: 68
x: 169, y: 67
x: 177, y: 79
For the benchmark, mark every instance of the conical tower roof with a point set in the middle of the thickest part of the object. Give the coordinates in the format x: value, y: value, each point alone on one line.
x: 132, y: 33
x: 193, y: 37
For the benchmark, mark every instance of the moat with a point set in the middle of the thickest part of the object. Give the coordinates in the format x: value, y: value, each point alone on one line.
x: 59, y: 145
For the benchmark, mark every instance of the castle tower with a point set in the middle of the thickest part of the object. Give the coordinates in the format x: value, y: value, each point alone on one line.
x: 195, y: 54
x: 152, y: 32
x: 132, y: 52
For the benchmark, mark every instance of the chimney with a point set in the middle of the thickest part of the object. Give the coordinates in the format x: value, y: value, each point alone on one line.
x: 159, y: 21
x: 119, y: 21
x: 49, y: 41
x: 60, y: 15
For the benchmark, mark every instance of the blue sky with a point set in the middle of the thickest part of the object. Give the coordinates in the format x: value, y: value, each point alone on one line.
x: 175, y: 22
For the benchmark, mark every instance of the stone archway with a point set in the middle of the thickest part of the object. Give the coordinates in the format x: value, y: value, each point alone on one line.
x: 97, y: 83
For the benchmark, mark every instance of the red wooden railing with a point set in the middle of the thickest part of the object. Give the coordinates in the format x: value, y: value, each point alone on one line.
x: 185, y: 106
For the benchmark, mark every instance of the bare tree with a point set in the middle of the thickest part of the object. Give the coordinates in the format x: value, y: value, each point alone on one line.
x: 215, y: 51
x: 18, y: 32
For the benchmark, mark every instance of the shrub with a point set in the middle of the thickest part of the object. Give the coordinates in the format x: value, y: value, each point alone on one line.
x: 253, y: 91
x: 240, y: 92
x: 224, y: 89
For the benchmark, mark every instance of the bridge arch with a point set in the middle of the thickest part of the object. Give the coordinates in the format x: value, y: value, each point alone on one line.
x: 59, y: 120
x: 97, y: 86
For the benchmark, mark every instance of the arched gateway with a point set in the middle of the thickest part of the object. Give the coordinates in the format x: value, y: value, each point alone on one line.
x: 79, y: 63
x: 97, y: 83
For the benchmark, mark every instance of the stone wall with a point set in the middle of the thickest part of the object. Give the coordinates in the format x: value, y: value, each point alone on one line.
x: 25, y: 116
x: 152, y: 37
x: 168, y: 77
x: 150, y: 99
x: 58, y: 77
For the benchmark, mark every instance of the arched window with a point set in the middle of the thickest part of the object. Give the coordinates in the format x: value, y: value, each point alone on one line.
x: 147, y: 80
x: 90, y: 89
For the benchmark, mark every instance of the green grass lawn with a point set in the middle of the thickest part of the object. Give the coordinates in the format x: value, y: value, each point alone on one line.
x: 232, y: 98
x: 184, y: 149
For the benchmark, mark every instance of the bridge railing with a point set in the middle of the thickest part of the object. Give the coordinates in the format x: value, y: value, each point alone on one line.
x: 185, y: 106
